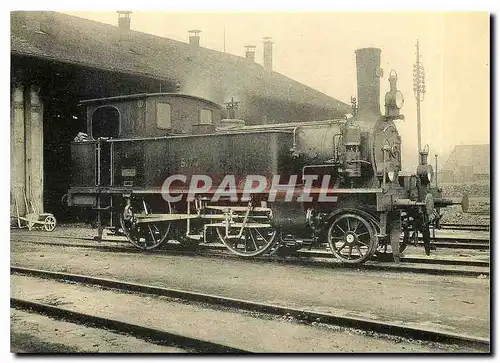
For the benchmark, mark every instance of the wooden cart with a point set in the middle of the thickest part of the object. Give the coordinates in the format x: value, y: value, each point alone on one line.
x: 32, y: 219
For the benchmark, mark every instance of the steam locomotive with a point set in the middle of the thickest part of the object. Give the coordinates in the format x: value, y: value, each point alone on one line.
x: 167, y: 166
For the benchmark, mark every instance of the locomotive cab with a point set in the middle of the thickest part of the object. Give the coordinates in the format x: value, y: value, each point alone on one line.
x: 150, y: 115
x: 113, y: 152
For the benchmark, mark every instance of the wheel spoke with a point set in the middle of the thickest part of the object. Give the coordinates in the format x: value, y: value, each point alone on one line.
x: 340, y: 228
x: 350, y: 252
x: 336, y: 238
x: 264, y: 238
x: 253, y: 239
x: 341, y: 248
x: 363, y: 243
x: 151, y: 234
x: 357, y: 225
x: 359, y: 250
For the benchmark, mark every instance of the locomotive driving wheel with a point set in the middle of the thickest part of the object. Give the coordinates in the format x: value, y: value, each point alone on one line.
x: 257, y: 237
x: 145, y: 236
x: 352, y: 238
x: 253, y: 241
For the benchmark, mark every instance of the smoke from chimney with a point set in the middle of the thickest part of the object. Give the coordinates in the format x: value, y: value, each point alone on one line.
x: 194, y: 37
x: 368, y: 81
x: 268, y: 54
x: 250, y: 52
x: 124, y: 19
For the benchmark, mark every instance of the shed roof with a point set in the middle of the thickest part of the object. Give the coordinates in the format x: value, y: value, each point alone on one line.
x: 202, y: 72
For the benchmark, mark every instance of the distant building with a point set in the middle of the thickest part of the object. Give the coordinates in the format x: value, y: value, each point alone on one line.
x: 467, y: 163
x: 58, y: 60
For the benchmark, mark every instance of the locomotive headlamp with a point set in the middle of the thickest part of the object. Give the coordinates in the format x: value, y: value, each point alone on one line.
x: 391, y: 175
x: 394, y: 99
x: 399, y: 99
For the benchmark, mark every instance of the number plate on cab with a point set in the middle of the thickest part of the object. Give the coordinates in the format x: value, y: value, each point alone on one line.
x: 128, y: 172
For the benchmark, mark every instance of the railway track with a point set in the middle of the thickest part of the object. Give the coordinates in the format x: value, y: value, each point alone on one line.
x: 460, y: 243
x: 301, y: 316
x: 318, y: 259
x: 156, y: 336
x: 482, y: 243
x: 444, y: 242
x: 465, y: 227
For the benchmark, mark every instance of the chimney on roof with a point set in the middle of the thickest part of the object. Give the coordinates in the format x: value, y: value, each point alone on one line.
x: 194, y: 37
x: 268, y: 54
x: 124, y: 19
x: 250, y: 52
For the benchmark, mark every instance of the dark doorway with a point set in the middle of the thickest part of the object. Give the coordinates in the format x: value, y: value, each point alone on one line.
x: 63, y: 120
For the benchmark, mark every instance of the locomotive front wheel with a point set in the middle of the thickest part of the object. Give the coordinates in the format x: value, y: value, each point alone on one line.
x: 145, y: 236
x: 253, y: 242
x: 352, y: 238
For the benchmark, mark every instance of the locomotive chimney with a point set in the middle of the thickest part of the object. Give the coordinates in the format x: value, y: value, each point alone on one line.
x: 250, y: 52
x: 124, y: 20
x: 368, y: 76
x: 268, y: 54
x: 194, y: 37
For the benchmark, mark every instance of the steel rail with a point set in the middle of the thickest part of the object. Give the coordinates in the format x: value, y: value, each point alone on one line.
x: 447, y: 239
x: 301, y: 253
x: 466, y: 227
x: 371, y: 325
x: 450, y: 239
x: 155, y: 336
x: 298, y: 259
x: 430, y: 261
x: 460, y: 245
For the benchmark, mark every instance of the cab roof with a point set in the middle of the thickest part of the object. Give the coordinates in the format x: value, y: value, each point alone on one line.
x: 146, y: 95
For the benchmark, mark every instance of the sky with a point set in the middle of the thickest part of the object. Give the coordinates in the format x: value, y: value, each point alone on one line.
x: 317, y: 49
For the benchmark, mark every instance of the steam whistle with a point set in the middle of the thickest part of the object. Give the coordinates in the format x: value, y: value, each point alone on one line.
x: 394, y: 99
x: 232, y: 107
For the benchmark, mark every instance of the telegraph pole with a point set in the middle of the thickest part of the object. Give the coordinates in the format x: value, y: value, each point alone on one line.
x: 419, y: 91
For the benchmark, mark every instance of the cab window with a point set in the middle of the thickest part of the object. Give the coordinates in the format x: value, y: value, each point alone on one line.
x: 106, y: 122
x: 206, y: 116
x: 163, y: 115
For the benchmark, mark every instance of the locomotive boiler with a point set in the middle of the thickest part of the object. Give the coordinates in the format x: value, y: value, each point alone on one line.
x: 167, y: 166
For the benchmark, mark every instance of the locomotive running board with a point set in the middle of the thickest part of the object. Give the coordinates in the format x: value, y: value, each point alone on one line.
x: 239, y: 225
x: 151, y: 218
x: 177, y: 217
x: 238, y: 208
